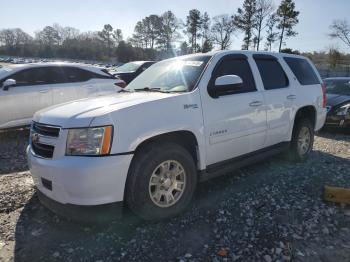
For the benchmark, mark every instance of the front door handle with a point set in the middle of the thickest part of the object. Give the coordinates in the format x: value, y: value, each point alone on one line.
x: 291, y: 97
x: 256, y: 103
x: 44, y: 91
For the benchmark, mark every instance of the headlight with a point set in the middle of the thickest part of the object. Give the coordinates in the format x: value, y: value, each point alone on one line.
x: 89, y: 141
x: 343, y: 110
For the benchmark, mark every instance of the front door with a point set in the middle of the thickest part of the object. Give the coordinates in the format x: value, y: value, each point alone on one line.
x: 31, y: 93
x: 235, y: 124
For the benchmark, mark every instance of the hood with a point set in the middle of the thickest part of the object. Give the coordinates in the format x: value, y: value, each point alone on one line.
x: 334, y: 99
x: 80, y: 113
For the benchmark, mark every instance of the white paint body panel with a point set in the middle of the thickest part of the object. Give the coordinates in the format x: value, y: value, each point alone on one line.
x: 18, y: 104
x: 225, y: 128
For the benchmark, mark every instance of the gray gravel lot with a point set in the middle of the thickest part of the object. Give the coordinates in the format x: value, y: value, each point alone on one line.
x: 272, y: 211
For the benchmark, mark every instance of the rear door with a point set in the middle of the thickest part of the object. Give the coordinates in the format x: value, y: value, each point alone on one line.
x: 31, y: 93
x: 235, y: 123
x: 104, y: 83
x: 62, y: 90
x: 279, y: 98
x: 76, y: 85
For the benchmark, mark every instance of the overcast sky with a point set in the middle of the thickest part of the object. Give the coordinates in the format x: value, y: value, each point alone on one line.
x: 90, y: 15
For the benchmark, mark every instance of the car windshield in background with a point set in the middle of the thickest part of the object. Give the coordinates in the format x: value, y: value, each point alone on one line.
x: 174, y: 75
x: 128, y: 67
x: 339, y: 87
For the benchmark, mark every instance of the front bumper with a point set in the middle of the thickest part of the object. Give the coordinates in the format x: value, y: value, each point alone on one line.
x: 88, y: 214
x: 80, y: 180
x: 337, y: 121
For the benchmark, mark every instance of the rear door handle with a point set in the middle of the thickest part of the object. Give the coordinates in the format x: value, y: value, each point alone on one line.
x: 44, y: 91
x: 291, y: 97
x: 255, y: 103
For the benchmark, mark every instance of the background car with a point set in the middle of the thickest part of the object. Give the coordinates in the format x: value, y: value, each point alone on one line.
x: 28, y: 88
x: 131, y: 70
x: 338, y: 102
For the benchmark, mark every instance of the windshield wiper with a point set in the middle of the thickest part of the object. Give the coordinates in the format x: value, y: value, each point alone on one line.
x: 150, y: 89
x: 156, y: 89
x: 124, y: 90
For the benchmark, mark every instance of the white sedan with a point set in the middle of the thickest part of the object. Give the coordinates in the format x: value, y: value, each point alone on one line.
x: 27, y: 88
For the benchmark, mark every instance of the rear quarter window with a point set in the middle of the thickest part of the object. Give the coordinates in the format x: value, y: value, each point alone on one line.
x: 302, y: 70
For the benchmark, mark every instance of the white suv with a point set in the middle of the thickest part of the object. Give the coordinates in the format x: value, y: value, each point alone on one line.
x: 27, y: 88
x: 183, y: 120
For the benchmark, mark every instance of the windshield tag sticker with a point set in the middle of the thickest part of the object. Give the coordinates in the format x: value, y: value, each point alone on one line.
x: 193, y: 63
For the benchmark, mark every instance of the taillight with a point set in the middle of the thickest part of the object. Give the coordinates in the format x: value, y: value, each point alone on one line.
x: 324, y: 95
x: 121, y: 84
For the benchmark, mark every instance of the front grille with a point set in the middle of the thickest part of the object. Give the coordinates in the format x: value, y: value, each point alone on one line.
x: 46, y: 130
x: 43, y: 139
x: 43, y: 150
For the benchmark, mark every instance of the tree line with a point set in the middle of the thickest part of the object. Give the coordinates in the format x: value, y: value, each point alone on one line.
x: 262, y: 24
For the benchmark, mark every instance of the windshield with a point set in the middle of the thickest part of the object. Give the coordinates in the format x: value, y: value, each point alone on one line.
x: 174, y: 75
x: 339, y: 87
x: 128, y: 67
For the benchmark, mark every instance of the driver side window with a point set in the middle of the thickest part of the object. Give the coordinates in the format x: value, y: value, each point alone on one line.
x: 239, y: 67
x: 28, y: 77
x: 22, y: 78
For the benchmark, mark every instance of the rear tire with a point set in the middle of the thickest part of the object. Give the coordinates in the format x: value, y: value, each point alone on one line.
x: 302, y: 140
x: 161, y: 181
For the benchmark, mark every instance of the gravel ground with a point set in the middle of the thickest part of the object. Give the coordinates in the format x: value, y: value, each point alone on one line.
x: 272, y: 211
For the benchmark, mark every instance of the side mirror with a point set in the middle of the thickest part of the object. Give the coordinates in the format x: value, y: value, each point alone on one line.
x: 8, y: 83
x: 225, y: 85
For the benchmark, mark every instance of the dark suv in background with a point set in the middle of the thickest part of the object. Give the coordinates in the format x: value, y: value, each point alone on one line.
x: 338, y: 102
x: 131, y: 70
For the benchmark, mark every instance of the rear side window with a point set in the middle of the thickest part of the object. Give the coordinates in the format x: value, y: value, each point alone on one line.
x: 56, y: 75
x: 73, y: 74
x: 239, y: 67
x: 271, y: 73
x: 302, y: 70
x: 40, y: 76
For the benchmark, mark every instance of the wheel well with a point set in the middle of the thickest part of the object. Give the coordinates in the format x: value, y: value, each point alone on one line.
x: 184, y: 138
x: 306, y: 112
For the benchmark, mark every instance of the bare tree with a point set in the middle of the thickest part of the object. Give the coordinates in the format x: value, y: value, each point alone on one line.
x: 14, y: 37
x: 341, y: 30
x: 65, y: 33
x: 271, y: 34
x: 49, y: 36
x: 222, y: 30
x: 169, y: 30
x: 334, y: 57
x: 139, y: 38
x: 264, y: 8
x: 117, y: 36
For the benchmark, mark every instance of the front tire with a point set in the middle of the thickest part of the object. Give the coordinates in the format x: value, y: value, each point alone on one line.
x: 302, y: 140
x: 161, y: 181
